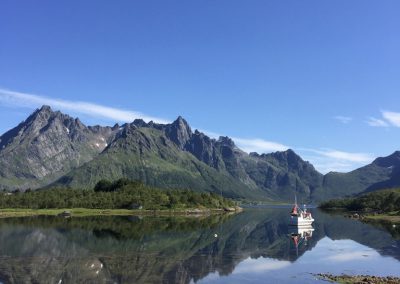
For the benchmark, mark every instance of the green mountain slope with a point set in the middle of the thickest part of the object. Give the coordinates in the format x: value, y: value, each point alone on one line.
x: 382, y: 173
x: 146, y: 154
x: 171, y: 156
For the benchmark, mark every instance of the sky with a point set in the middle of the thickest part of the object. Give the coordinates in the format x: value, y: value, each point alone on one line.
x: 319, y: 77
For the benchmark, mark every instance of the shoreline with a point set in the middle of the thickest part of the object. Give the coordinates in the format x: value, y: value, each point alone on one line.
x: 81, y: 212
x: 395, y: 219
x: 366, y: 216
x: 358, y: 279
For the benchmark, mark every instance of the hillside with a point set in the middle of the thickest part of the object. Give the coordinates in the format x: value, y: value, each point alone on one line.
x: 50, y: 148
x: 382, y: 173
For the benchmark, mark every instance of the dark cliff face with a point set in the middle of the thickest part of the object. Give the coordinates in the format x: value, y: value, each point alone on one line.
x: 179, y: 132
x: 47, y: 144
x: 204, y: 149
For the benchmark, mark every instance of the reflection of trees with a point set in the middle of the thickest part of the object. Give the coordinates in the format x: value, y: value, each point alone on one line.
x: 158, y: 250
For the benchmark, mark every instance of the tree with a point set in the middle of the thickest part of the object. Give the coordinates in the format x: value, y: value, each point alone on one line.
x: 103, y: 185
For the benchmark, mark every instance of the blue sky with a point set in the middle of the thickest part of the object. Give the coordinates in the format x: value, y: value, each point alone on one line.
x: 320, y: 77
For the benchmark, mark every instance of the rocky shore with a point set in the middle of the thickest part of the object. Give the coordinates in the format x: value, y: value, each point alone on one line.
x: 359, y: 279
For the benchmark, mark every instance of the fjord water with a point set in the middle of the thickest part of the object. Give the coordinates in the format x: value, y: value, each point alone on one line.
x: 251, y: 247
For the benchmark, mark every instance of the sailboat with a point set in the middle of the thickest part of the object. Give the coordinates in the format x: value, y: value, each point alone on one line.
x: 300, y: 217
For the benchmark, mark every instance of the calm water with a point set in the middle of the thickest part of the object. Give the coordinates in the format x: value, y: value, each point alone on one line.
x: 255, y: 246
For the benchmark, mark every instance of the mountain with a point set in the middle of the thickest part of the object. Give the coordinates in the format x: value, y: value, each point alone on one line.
x: 53, y: 149
x: 47, y: 145
x: 382, y: 173
x: 172, y: 156
x: 392, y: 165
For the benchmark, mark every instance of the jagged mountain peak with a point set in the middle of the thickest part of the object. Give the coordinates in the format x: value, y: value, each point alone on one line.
x: 139, y: 123
x: 283, y: 155
x: 290, y: 160
x: 226, y: 141
x: 45, y: 108
x: 41, y: 113
x: 181, y: 123
x: 179, y: 132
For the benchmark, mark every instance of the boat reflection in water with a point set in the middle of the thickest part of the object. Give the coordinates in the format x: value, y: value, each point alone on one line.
x: 300, y: 236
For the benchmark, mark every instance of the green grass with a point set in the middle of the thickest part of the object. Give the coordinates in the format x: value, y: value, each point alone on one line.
x: 81, y: 212
x: 392, y: 217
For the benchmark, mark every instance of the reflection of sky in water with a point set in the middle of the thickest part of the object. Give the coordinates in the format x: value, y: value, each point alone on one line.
x: 328, y: 256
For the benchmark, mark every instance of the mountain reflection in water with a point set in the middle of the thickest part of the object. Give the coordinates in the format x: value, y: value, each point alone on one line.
x: 254, y: 246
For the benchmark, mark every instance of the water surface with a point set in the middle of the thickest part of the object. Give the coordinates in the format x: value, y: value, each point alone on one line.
x: 255, y: 246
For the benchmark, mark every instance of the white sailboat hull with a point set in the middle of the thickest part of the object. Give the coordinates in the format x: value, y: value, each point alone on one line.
x: 299, y: 221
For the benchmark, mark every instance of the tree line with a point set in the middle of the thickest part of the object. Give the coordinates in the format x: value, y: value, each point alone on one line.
x: 120, y: 194
x: 382, y: 200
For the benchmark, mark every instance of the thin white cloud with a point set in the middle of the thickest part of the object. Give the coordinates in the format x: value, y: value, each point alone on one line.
x: 259, y: 145
x: 325, y: 165
x: 343, y: 119
x: 392, y: 117
x: 327, y: 160
x: 352, y: 256
x: 33, y: 101
x: 250, y: 265
x: 389, y: 118
x: 375, y: 122
x: 346, y: 156
x: 341, y: 155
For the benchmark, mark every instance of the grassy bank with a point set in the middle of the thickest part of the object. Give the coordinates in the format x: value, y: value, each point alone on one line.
x: 392, y: 217
x: 81, y: 212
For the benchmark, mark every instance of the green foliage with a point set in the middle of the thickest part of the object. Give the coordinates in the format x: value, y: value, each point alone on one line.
x: 103, y: 185
x: 108, y: 186
x: 114, y: 195
x: 383, y: 200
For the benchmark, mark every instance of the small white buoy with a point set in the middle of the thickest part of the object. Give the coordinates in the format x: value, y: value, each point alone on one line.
x: 394, y: 226
x: 215, y: 235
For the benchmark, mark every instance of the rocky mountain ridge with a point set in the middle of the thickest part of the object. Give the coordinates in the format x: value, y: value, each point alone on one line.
x: 53, y: 149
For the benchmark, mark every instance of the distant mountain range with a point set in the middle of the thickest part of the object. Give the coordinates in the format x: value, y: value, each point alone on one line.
x: 53, y: 149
